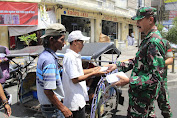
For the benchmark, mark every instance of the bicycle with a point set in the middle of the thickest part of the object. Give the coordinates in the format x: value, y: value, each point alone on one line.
x: 106, y: 100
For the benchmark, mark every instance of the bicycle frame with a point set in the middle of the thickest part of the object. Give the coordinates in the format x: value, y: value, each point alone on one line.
x: 100, y: 88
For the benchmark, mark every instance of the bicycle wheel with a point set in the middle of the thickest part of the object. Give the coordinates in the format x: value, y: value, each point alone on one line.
x: 108, y: 104
x: 97, y: 95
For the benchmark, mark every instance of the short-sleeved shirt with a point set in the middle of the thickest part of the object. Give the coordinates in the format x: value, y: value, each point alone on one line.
x: 4, y: 65
x: 48, y: 77
x: 75, y: 94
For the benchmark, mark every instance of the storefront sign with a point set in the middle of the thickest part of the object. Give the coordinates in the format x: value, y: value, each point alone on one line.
x: 172, y: 15
x: 168, y: 1
x: 115, y: 19
x: 169, y: 22
x: 76, y: 13
x: 170, y: 6
x: 110, y: 18
x: 18, y: 14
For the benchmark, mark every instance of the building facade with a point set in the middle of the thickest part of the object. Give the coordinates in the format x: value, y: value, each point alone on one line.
x: 93, y: 17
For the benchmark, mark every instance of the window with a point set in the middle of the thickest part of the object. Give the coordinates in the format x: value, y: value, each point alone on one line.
x: 121, y: 3
x: 110, y: 29
x: 76, y: 23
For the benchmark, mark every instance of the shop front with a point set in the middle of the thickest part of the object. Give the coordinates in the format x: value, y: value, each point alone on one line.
x: 118, y: 28
x: 16, y: 14
x: 110, y: 29
x: 77, y: 19
x: 44, y: 19
x: 73, y: 23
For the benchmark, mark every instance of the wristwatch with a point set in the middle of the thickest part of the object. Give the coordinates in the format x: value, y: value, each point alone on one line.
x: 5, y: 102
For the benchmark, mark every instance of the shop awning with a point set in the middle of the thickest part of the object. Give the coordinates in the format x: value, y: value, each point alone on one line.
x: 42, y: 24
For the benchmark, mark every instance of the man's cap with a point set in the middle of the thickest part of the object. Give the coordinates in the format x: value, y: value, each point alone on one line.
x: 144, y: 11
x: 77, y: 35
x: 55, y: 29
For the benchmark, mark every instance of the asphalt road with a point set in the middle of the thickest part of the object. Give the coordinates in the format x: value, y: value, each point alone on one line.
x: 19, y: 111
x: 173, y: 102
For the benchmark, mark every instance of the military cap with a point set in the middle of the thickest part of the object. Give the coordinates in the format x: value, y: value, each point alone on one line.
x: 144, y: 11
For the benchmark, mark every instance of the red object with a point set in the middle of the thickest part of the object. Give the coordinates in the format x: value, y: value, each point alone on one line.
x: 12, y: 42
x: 169, y: 50
x: 18, y: 13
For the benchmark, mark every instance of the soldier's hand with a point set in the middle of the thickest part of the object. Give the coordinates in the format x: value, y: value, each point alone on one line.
x: 122, y: 82
x: 111, y: 67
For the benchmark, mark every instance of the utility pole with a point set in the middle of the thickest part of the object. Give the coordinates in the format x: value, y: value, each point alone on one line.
x: 138, y: 3
x: 139, y: 38
x: 160, y: 15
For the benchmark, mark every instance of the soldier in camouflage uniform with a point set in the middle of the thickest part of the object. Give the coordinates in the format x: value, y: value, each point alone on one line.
x: 163, y: 98
x: 148, y: 66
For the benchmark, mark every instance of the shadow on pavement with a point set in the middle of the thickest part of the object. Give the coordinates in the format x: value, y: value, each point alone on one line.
x: 119, y: 116
x: 18, y: 110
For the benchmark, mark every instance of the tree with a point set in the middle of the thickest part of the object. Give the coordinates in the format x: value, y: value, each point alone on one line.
x: 172, y: 33
x: 175, y: 21
x: 27, y: 39
x: 160, y: 28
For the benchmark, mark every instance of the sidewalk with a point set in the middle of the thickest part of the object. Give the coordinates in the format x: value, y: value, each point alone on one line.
x: 130, y: 51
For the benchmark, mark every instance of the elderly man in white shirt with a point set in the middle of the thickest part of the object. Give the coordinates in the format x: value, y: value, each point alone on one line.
x: 74, y: 76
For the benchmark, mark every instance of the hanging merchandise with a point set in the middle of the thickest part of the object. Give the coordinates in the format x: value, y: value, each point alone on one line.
x: 44, y: 15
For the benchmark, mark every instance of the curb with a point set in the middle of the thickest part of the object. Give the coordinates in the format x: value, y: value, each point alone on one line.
x: 172, y: 82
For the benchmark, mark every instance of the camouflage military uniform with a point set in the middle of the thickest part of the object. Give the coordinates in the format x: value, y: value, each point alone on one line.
x: 147, y: 74
x: 163, y: 98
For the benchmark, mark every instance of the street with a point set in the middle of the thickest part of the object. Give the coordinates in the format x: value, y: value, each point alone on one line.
x: 173, y: 103
x: 19, y: 111
x: 107, y: 32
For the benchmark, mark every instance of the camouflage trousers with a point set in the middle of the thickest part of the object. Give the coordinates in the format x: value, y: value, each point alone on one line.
x: 163, y: 102
x: 140, y: 100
